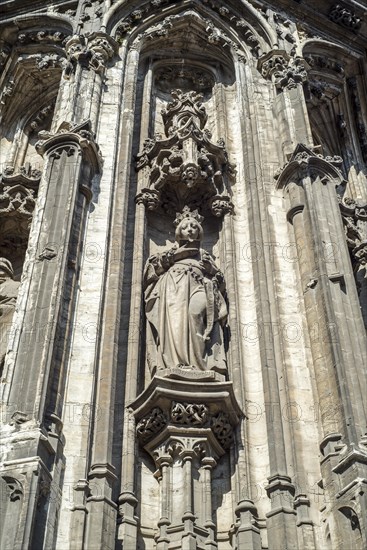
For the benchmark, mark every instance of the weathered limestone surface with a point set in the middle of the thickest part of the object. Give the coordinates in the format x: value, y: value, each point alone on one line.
x: 247, y: 121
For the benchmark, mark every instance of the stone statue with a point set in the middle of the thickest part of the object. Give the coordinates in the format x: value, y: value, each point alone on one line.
x: 8, y: 298
x: 185, y: 304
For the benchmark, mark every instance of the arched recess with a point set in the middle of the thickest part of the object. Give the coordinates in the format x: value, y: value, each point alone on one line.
x: 240, y: 17
x: 349, y: 524
x: 28, y: 90
x: 196, y: 49
x: 334, y: 93
x: 12, y: 496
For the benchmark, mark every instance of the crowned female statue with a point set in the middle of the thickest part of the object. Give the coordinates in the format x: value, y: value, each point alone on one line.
x: 8, y: 298
x: 185, y: 304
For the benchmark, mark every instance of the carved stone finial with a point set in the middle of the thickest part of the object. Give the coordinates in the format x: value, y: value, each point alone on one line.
x: 185, y: 110
x: 283, y: 70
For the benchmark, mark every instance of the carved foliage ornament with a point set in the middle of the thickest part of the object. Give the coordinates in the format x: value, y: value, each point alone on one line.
x: 41, y: 36
x: 18, y: 191
x: 213, y: 35
x: 186, y: 168
x: 186, y: 414
x: 151, y: 424
x: 354, y: 216
x: 92, y: 51
x: 345, y: 17
x: 284, y: 71
x: 194, y: 414
x: 186, y: 78
x: 304, y: 157
x: 322, y: 62
x: 222, y: 429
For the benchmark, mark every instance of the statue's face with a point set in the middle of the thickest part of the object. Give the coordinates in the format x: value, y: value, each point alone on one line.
x: 189, y: 230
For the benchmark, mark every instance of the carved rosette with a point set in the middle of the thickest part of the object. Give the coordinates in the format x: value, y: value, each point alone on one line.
x: 185, y: 168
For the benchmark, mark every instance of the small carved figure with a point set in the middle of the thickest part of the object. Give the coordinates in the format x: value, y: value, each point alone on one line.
x: 185, y: 304
x: 8, y: 298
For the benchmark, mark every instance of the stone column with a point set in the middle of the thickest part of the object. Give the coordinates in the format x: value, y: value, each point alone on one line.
x: 335, y: 325
x: 34, y: 409
x: 281, y: 520
x: 288, y: 73
x: 188, y: 519
x: 165, y: 463
x: 127, y: 529
x: 208, y: 464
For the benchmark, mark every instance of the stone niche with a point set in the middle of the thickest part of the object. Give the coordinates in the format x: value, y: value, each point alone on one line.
x: 186, y: 414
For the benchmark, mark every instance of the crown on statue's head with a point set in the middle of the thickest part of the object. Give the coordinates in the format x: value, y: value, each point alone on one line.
x: 187, y: 213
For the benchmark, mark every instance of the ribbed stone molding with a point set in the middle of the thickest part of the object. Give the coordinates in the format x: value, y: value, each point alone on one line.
x: 38, y: 373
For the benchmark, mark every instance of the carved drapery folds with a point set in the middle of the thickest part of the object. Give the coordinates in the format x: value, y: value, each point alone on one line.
x: 185, y: 303
x: 185, y: 168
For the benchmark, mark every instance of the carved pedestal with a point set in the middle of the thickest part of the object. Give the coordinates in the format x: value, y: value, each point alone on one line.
x: 186, y: 426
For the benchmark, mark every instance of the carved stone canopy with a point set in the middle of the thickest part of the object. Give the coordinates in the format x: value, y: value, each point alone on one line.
x: 186, y: 168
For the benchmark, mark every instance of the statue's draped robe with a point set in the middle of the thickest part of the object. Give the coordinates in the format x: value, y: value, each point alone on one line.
x: 8, y: 298
x: 186, y: 312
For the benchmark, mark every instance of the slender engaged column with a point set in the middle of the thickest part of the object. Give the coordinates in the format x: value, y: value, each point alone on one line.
x: 208, y: 464
x: 189, y: 537
x: 165, y: 463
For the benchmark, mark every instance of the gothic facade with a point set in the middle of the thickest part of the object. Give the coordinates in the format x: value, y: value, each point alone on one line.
x: 183, y: 280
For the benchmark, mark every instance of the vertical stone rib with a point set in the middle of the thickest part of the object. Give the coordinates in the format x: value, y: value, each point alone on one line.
x: 281, y: 519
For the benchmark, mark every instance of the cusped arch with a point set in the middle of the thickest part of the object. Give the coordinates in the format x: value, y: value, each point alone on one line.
x: 318, y: 46
x: 230, y: 20
x: 36, y: 22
